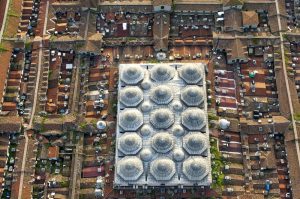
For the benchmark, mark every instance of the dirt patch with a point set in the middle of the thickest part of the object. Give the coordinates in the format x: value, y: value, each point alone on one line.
x: 13, y: 18
x: 2, y: 11
x: 5, y: 58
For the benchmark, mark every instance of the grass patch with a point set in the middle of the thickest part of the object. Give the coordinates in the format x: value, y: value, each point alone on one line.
x: 217, y: 166
x: 2, y: 48
x: 297, y: 117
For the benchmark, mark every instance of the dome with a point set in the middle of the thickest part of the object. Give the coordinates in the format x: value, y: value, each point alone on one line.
x: 146, y: 84
x: 162, y: 118
x: 160, y: 73
x: 130, y: 168
x: 131, y: 96
x: 177, y: 130
x: 146, y: 130
x: 193, y: 119
x: 224, y: 124
x: 161, y: 94
x: 195, y: 168
x: 162, y: 142
x: 130, y: 143
x: 192, y: 96
x: 178, y: 155
x: 177, y: 106
x: 146, y: 107
x: 191, y: 74
x: 130, y: 119
x: 162, y: 169
x: 101, y: 125
x: 132, y: 74
x: 146, y: 155
x: 195, y: 143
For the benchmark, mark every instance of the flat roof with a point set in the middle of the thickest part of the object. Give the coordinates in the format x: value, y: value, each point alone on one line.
x: 162, y: 135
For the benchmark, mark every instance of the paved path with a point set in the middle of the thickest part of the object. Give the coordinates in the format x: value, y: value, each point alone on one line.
x: 287, y: 83
x: 31, y: 119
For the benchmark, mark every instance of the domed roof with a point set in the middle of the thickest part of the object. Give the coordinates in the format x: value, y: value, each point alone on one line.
x: 195, y: 143
x: 224, y: 124
x: 101, y: 125
x: 146, y: 130
x: 177, y: 106
x: 162, y: 73
x: 132, y: 74
x: 146, y: 106
x: 193, y: 119
x: 162, y: 118
x: 192, y: 96
x: 162, y: 142
x: 191, y: 74
x: 195, y: 168
x: 178, y: 154
x: 131, y: 96
x: 130, y: 168
x: 162, y: 169
x: 177, y: 130
x: 130, y: 143
x: 130, y: 119
x: 146, y: 155
x: 161, y: 94
x: 146, y: 84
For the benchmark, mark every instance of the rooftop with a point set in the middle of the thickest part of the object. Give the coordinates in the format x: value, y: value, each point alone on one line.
x: 164, y: 127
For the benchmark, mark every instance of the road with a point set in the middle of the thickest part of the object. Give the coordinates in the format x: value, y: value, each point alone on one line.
x: 287, y: 83
x: 31, y: 118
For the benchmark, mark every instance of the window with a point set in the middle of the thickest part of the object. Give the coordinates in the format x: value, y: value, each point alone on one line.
x: 162, y: 7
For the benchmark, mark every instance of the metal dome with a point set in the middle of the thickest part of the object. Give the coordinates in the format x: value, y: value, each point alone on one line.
x: 132, y: 74
x: 162, y: 142
x: 192, y: 96
x: 178, y: 155
x: 195, y: 168
x: 130, y: 168
x: 160, y: 73
x: 101, y: 125
x: 131, y: 119
x: 162, y: 169
x: 177, y: 106
x: 177, y: 130
x: 191, y: 74
x: 131, y: 96
x: 224, y: 124
x: 146, y: 130
x: 146, y: 155
x: 195, y: 143
x: 193, y: 119
x: 161, y: 94
x: 146, y: 84
x: 146, y: 106
x: 130, y: 143
x: 162, y: 118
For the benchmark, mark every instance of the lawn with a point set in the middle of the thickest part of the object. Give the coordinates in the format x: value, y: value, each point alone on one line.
x: 217, y: 166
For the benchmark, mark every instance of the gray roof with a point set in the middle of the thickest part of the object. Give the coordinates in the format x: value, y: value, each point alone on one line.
x: 130, y: 119
x: 131, y: 96
x: 130, y: 143
x: 191, y: 74
x: 192, y: 96
x: 162, y: 73
x: 163, y: 125
x: 193, y: 119
x: 162, y: 118
x: 161, y: 94
x: 162, y: 169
